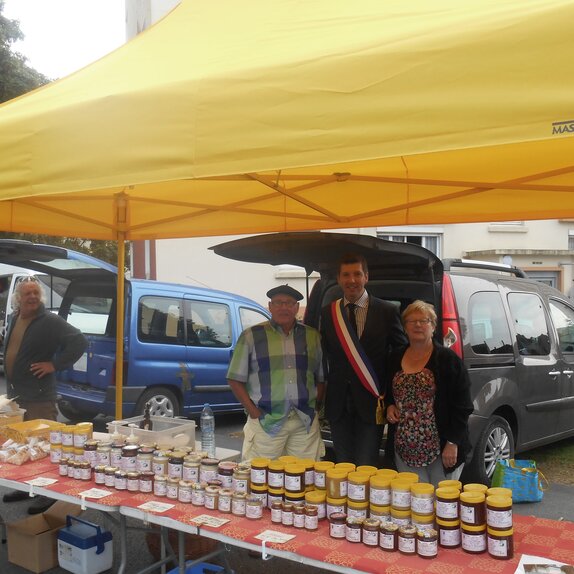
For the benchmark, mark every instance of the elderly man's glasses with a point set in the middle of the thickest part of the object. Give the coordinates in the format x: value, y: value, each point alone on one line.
x: 288, y: 304
x: 418, y: 321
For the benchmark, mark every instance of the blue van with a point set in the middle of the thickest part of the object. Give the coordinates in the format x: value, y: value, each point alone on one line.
x: 178, y: 339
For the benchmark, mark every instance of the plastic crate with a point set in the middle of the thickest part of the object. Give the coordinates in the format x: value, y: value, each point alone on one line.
x: 21, y: 431
x: 179, y: 432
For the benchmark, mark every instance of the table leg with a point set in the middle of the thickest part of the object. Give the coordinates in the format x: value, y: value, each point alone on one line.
x: 123, y: 544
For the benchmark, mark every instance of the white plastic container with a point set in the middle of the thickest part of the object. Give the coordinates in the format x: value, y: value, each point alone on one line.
x: 178, y: 432
x: 84, y: 548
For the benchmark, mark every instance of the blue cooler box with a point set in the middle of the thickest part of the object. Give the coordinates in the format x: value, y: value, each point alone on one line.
x: 83, y: 547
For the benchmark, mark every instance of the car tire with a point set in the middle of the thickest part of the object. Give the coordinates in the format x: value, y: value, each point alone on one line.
x: 495, y: 443
x: 164, y: 403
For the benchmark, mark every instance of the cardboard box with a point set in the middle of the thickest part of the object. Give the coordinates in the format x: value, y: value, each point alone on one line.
x: 33, y: 541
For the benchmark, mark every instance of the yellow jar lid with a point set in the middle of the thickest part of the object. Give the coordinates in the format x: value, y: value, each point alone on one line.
x: 472, y: 497
x: 447, y: 523
x: 348, y: 466
x: 380, y: 509
x: 422, y: 488
x: 308, y: 463
x: 367, y: 469
x: 497, y: 501
x: 337, y: 473
x: 494, y: 532
x: 288, y: 459
x: 69, y: 428
x: 450, y: 484
x: 380, y: 481
x: 447, y: 492
x: 258, y: 488
x: 398, y: 484
x: 359, y: 477
x: 336, y: 501
x: 294, y: 469
x: 473, y: 528
x: 422, y: 518
x: 400, y: 513
x: 276, y: 465
x: 357, y: 505
x: 324, y: 465
x: 295, y: 495
x: 499, y: 491
x: 316, y: 496
x: 408, y: 476
x: 260, y: 462
x: 475, y: 487
x: 67, y: 448
x: 275, y: 491
x: 387, y: 472
x: 83, y: 427
x: 56, y: 446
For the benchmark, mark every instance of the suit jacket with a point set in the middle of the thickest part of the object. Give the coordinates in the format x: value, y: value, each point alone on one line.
x: 383, y: 331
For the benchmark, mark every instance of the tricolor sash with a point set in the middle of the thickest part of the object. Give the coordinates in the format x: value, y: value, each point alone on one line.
x: 356, y: 355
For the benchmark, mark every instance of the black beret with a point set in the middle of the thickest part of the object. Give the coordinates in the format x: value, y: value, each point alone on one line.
x: 284, y: 290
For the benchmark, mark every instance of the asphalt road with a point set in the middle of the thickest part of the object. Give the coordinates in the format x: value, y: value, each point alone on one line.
x: 557, y: 504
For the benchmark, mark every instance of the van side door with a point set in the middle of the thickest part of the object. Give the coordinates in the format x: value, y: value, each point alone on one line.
x: 209, y: 332
x: 538, y: 372
x: 563, y: 317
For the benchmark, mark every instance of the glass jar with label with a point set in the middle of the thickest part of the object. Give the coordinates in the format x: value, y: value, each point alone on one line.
x: 172, y: 487
x: 121, y: 480
x: 401, y: 494
x: 472, y: 508
x: 159, y: 463
x: 371, y: 531
x: 224, y: 500
x: 407, y: 540
x: 79, y: 454
x: 110, y: 473
x: 116, y: 454
x: 225, y: 473
x: 287, y: 514
x: 337, y: 525
x: 448, y: 533
x: 175, y: 465
x: 335, y: 505
x: 389, y: 536
x: 276, y: 511
x: 320, y: 473
x: 276, y: 474
x: 144, y: 459
x: 294, y: 478
x: 317, y: 499
x: 99, y: 474
x: 133, y: 481
x: 259, y: 491
x: 190, y: 470
x: 103, y: 453
x: 90, y: 452
x: 56, y: 433
x: 241, y: 476
x: 55, y: 453
x: 129, y: 457
x: 357, y: 487
x: 146, y: 481
x: 198, y: 493
x: 160, y: 485
x: 273, y: 495
x: 68, y: 435
x: 208, y: 469
x: 71, y: 467
x: 380, y: 490
x: 85, y: 470
x: 383, y: 513
x: 184, y: 491
x: 238, y: 503
x: 473, y: 538
x: 299, y: 516
x: 82, y: 433
x: 499, y: 512
x: 311, y: 518
x: 211, y: 493
x: 357, y: 509
x: 422, y: 521
x: 294, y: 497
x: 422, y: 498
x: 400, y: 517
x: 253, y: 507
x: 500, y: 543
x: 259, y: 471
x: 427, y: 543
x: 354, y: 529
x: 447, y: 503
x: 337, y: 483
x: 309, y: 477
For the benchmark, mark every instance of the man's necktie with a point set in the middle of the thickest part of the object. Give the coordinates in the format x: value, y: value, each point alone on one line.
x: 352, y: 316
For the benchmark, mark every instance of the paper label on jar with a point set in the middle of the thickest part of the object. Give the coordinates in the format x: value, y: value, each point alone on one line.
x: 224, y: 504
x: 293, y: 483
x: 380, y: 496
x: 473, y: 542
x: 276, y: 515
x: 422, y: 505
x: 357, y: 491
x: 299, y: 520
x: 159, y: 468
x: 172, y: 491
x: 207, y: 475
x: 343, y: 488
x: 198, y: 498
x: 275, y: 479
x: 319, y: 480
x: 184, y: 495
x: 427, y: 548
x: 337, y: 530
x: 447, y: 509
x: 407, y: 545
x: 353, y: 534
x: 210, y: 502
x: 467, y: 514
x: 287, y: 519
x: 331, y: 509
x: 190, y: 473
x: 238, y: 507
x: 387, y: 541
x: 143, y: 464
x: 240, y: 485
x: 357, y: 512
x: 450, y: 537
x: 498, y: 547
x: 499, y: 518
x: 258, y: 475
x: 401, y: 499
x: 370, y: 537
x: 253, y: 511
x: 226, y: 481
x: 309, y: 477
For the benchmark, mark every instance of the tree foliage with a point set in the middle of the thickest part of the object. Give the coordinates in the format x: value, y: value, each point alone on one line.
x: 17, y: 78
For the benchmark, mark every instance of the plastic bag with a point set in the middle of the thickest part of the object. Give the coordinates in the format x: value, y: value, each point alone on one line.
x: 522, y: 477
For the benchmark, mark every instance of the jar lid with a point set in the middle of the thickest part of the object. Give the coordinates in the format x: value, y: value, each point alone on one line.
x: 408, y: 529
x: 493, y: 532
x: 408, y: 476
x: 277, y: 465
x: 380, y: 481
x: 450, y: 484
x: 498, y: 501
x: 259, y: 488
x: 336, y: 501
x: 324, y: 465
x: 287, y: 459
x: 308, y: 463
x: 337, y: 517
x: 499, y: 491
x: 371, y: 522
x: 294, y: 469
x: 422, y: 518
x: 367, y: 469
x: 427, y: 534
x: 359, y: 477
x: 355, y: 520
x: 399, y: 484
x: 448, y: 523
x: 225, y: 492
x: 316, y: 496
x: 260, y: 462
x: 448, y: 493
x: 398, y: 513
x: 297, y: 496
x: 387, y: 472
x: 348, y: 466
x: 337, y: 473
x: 422, y: 488
x: 208, y: 461
x: 357, y: 505
x: 275, y: 491
x: 389, y: 526
x: 472, y: 497
x: 473, y: 527
x: 475, y: 487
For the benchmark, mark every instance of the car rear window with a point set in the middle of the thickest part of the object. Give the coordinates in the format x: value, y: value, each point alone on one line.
x: 489, y: 332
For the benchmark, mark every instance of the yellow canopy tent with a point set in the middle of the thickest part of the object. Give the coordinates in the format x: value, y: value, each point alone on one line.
x: 230, y: 118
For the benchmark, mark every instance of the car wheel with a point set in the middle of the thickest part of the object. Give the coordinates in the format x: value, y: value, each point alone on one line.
x: 495, y: 443
x: 163, y: 403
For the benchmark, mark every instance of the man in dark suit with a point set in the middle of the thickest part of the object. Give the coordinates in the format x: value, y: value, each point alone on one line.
x: 350, y: 407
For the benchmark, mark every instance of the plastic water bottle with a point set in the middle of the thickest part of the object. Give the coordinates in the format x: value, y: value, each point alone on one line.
x: 207, y: 423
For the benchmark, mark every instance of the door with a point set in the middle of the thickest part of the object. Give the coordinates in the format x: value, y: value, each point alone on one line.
x: 563, y: 317
x: 539, y: 376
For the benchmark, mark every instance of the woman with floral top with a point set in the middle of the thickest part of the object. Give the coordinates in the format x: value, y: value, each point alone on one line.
x: 428, y: 398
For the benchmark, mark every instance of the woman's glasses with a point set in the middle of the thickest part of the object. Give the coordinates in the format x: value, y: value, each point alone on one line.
x: 418, y: 321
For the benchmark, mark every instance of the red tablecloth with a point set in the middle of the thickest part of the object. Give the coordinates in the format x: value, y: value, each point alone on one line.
x: 537, y: 536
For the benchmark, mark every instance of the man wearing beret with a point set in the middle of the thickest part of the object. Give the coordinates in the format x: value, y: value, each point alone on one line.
x: 276, y: 373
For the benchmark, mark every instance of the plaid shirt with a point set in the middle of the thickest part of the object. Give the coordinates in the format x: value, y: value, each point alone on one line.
x: 281, y: 371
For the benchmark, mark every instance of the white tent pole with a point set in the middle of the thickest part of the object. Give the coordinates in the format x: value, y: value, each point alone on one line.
x: 121, y: 212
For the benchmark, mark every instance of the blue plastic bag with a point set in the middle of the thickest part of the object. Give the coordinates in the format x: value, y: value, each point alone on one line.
x: 522, y: 477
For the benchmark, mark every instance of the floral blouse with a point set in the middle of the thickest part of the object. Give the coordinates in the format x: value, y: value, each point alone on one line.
x: 416, y: 439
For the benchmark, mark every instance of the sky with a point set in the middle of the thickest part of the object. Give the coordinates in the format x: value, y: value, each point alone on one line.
x: 63, y: 36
